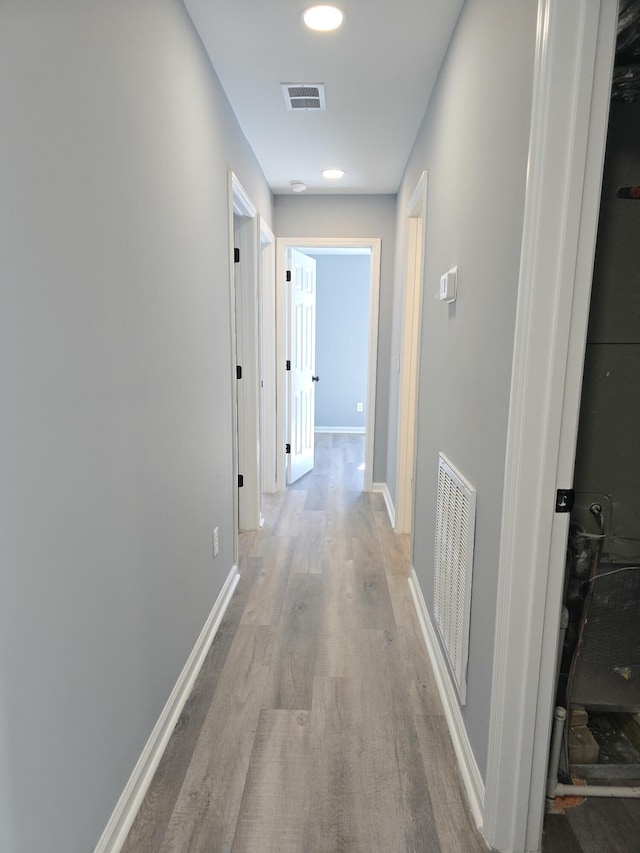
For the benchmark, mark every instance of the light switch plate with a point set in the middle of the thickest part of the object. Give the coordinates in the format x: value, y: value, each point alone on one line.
x: 449, y: 285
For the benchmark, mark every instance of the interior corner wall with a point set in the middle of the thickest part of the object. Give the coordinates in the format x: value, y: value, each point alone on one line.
x: 353, y: 216
x: 474, y: 144
x: 115, y: 378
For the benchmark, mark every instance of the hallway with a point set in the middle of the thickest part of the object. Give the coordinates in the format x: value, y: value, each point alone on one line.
x: 315, y: 723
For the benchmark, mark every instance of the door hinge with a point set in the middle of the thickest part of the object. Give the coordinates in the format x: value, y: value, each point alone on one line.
x: 287, y: 365
x: 240, y: 481
x: 287, y: 448
x: 238, y: 371
x: 288, y: 278
x: 236, y: 256
x: 565, y: 499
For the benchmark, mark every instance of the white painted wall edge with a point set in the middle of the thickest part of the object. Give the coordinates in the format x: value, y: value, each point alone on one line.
x: 117, y: 829
x: 469, y: 771
x: 342, y: 429
x: 388, y: 500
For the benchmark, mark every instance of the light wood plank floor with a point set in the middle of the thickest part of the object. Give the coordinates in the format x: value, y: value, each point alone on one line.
x: 315, y: 724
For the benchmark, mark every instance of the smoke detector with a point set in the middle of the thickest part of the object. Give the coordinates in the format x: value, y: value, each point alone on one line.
x: 304, y: 96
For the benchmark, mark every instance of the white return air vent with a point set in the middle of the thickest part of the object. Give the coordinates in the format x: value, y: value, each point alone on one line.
x: 304, y: 96
x: 455, y: 527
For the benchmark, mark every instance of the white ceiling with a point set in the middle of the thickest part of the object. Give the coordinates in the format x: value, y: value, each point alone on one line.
x: 379, y: 69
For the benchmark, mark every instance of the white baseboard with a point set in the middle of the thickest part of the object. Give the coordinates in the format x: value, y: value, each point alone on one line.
x: 469, y: 771
x: 386, y: 494
x: 356, y: 430
x: 117, y: 829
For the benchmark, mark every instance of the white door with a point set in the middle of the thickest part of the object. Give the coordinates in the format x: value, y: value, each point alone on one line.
x: 302, y: 359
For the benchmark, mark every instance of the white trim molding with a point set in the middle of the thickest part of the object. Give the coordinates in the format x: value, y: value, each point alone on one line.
x: 414, y: 259
x: 383, y: 489
x: 267, y: 356
x: 565, y: 121
x: 242, y: 204
x: 343, y: 430
x: 117, y: 829
x: 469, y: 770
x: 245, y: 236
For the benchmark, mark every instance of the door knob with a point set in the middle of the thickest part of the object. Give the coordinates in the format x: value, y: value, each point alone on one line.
x: 315, y: 379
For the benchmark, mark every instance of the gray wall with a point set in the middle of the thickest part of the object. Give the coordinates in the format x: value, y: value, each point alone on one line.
x: 474, y: 143
x: 608, y: 451
x: 353, y: 216
x: 342, y: 338
x: 115, y: 378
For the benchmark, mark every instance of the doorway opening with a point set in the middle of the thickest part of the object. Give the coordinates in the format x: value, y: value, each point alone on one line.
x: 346, y: 391
x: 244, y: 243
x: 572, y: 80
x: 597, y: 729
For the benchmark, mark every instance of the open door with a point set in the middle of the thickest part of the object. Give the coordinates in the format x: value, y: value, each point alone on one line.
x: 301, y: 359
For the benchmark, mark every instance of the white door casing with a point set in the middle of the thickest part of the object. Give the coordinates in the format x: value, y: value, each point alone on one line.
x: 301, y: 355
x: 244, y: 235
x: 575, y: 47
x: 267, y: 333
x: 411, y: 336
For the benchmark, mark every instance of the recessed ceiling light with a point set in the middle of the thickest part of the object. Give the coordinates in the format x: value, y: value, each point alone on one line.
x: 333, y: 174
x: 323, y: 18
x: 298, y: 186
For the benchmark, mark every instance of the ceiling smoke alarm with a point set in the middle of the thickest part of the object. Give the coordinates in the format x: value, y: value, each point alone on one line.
x: 298, y: 186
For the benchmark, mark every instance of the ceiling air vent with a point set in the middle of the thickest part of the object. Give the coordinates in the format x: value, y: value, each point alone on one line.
x: 304, y: 96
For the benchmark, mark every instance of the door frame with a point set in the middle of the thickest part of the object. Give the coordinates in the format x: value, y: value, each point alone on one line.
x: 245, y: 404
x: 575, y: 46
x: 416, y: 217
x: 267, y: 333
x: 301, y: 243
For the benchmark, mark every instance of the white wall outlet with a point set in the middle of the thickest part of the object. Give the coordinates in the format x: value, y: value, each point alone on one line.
x: 359, y: 407
x: 215, y: 541
x: 449, y: 285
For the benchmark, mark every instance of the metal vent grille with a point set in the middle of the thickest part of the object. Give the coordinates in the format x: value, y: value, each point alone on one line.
x: 305, y: 104
x: 303, y: 92
x: 455, y: 527
x: 304, y: 96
